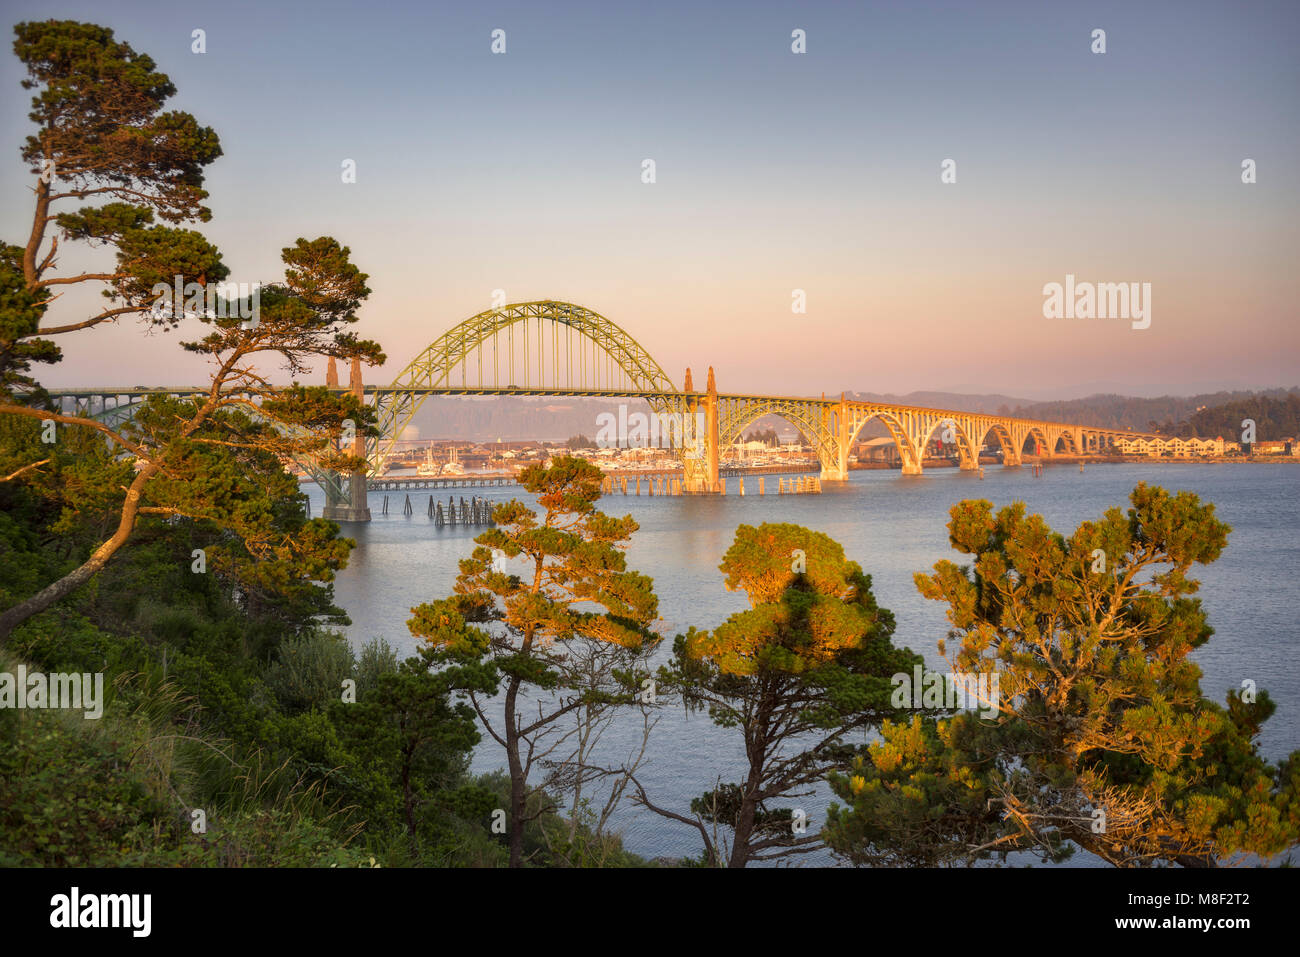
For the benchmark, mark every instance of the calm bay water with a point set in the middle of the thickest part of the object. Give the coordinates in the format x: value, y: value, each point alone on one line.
x: 893, y: 527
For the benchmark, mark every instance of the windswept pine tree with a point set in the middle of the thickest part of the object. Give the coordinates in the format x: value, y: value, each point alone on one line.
x: 101, y: 133
x: 219, y: 457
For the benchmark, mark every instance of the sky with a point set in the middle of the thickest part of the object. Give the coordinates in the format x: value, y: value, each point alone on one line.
x: 775, y: 171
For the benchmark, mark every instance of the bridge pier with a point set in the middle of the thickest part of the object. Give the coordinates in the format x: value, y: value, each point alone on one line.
x: 355, y: 508
x: 911, y: 457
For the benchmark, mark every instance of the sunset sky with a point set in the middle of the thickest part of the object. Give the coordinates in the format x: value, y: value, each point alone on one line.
x: 775, y: 171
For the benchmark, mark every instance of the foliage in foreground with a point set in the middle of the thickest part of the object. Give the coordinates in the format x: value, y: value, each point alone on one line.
x: 1103, y: 740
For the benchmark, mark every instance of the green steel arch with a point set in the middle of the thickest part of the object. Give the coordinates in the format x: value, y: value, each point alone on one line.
x: 436, y: 368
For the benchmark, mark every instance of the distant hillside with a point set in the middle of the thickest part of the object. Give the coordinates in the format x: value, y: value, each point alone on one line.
x: 1126, y: 412
x: 1274, y: 419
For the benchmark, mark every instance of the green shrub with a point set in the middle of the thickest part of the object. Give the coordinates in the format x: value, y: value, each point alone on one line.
x: 377, y: 657
x: 310, y: 671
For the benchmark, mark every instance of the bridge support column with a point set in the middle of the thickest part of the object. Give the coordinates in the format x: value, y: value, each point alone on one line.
x: 838, y: 471
x: 1013, y: 446
x: 912, y: 458
x: 360, y: 506
x: 712, y: 454
x: 356, y: 507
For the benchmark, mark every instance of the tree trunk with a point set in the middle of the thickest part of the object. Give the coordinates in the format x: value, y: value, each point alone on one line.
x: 744, y: 829
x: 37, y: 235
x: 47, y: 596
x: 516, y: 778
x: 756, y: 738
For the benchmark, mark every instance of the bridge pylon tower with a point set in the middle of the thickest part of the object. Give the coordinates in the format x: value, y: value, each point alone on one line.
x: 347, y: 500
x: 700, y: 448
x: 712, y: 454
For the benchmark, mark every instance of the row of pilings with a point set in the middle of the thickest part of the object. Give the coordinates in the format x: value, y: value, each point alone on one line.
x: 477, y: 511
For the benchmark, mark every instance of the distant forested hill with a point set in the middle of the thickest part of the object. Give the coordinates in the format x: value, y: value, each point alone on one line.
x: 1275, y: 418
x: 1175, y: 414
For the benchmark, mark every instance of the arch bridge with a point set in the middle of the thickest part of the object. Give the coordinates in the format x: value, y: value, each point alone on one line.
x: 553, y: 348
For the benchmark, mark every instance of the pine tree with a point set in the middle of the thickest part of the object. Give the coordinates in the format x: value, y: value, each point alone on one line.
x: 806, y: 666
x: 566, y: 566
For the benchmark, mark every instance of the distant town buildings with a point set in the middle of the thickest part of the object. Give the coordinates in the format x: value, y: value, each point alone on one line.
x: 1173, y: 446
x: 1180, y: 448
